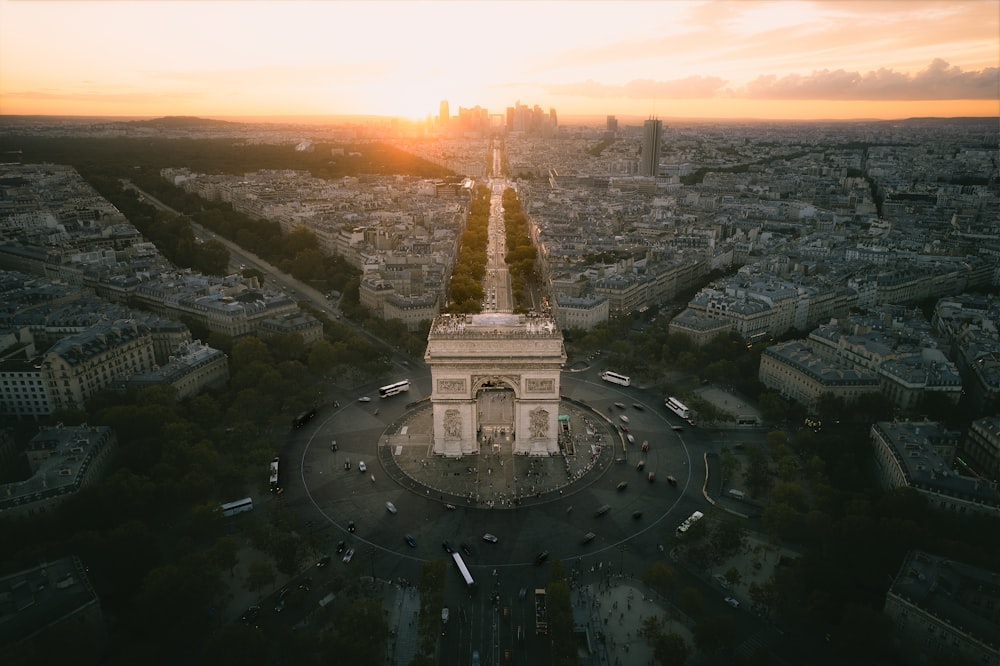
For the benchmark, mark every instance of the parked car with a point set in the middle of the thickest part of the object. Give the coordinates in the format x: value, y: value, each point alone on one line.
x: 362, y: 467
x: 364, y: 399
x: 638, y: 406
x: 349, y: 554
x: 390, y: 507
x: 489, y: 538
x: 541, y: 557
x: 410, y: 541
x: 732, y: 601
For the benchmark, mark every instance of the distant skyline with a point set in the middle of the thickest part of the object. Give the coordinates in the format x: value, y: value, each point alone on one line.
x: 782, y: 60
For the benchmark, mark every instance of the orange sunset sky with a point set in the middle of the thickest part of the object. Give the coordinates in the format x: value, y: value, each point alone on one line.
x: 784, y: 59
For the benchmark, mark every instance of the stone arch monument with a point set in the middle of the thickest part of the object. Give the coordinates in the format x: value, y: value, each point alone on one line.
x: 519, y: 356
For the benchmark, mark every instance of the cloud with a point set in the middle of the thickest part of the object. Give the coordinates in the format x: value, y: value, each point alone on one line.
x: 692, y: 87
x: 940, y: 81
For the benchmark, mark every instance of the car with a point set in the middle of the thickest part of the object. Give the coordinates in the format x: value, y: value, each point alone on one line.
x: 588, y: 537
x: 467, y: 549
x: 280, y: 606
x: 251, y: 613
x: 350, y: 526
x: 732, y: 601
x: 362, y: 467
x: 623, y: 418
x: 638, y: 406
x: 410, y: 541
x: 490, y: 538
x: 692, y: 423
x: 349, y: 555
x: 541, y: 557
x: 639, y: 465
x: 323, y: 561
x: 623, y: 485
x: 603, y: 510
x: 722, y: 580
x: 364, y: 399
x: 341, y: 547
x: 390, y: 507
x: 620, y: 405
x: 631, y: 438
x: 306, y: 584
x: 447, y: 547
x: 636, y: 515
x: 624, y: 429
x: 677, y: 428
x: 672, y: 481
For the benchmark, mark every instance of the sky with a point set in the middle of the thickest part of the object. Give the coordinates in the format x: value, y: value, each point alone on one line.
x: 721, y: 59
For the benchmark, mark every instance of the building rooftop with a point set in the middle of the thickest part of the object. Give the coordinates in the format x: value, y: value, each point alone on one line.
x: 955, y: 593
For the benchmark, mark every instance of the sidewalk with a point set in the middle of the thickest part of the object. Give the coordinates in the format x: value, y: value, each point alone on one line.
x: 615, y: 610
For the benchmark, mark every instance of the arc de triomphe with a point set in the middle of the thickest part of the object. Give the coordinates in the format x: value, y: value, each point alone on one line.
x: 521, y: 354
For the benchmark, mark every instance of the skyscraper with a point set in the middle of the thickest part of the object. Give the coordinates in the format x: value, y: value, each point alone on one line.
x: 649, y: 158
x: 444, y: 115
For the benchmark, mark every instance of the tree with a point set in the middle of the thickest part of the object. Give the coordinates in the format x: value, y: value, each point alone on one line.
x: 671, y: 650
x: 773, y: 408
x: 260, y: 575
x: 778, y: 520
x: 692, y: 602
x: 660, y: 576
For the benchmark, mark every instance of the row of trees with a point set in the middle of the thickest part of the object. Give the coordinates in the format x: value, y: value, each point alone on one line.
x: 522, y: 255
x: 465, y: 292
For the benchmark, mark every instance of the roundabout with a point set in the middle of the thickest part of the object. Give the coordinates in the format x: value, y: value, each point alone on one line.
x: 591, y: 498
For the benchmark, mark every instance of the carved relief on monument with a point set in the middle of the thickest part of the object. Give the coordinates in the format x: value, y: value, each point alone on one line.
x: 453, y: 424
x: 496, y: 381
x: 539, y: 423
x: 451, y: 386
x: 539, y: 386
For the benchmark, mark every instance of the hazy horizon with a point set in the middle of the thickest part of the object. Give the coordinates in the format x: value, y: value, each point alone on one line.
x: 782, y: 60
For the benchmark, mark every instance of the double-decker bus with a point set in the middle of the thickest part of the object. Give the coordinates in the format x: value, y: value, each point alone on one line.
x: 464, y: 570
x: 239, y: 506
x: 274, y: 475
x: 677, y: 407
x: 393, y: 389
x: 686, y: 525
x: 615, y: 378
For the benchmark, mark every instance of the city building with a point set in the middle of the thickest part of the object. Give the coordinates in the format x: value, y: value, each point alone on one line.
x: 62, y: 460
x: 649, y: 158
x: 52, y: 601
x: 80, y: 365
x: 944, y: 611
x: 920, y: 455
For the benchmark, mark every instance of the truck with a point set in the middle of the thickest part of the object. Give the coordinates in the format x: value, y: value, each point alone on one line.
x: 541, y: 616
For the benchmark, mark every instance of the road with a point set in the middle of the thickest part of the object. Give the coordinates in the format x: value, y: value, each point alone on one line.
x: 274, y: 278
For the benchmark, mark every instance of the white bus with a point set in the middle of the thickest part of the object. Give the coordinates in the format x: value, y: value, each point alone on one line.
x: 274, y: 475
x: 615, y: 378
x: 677, y: 407
x: 239, y: 506
x: 393, y: 389
x: 686, y: 525
x: 464, y: 570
